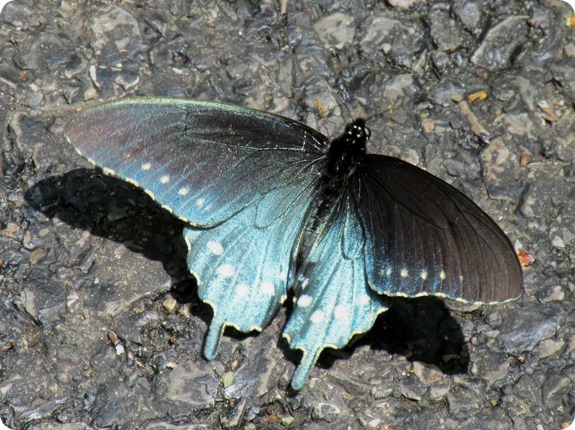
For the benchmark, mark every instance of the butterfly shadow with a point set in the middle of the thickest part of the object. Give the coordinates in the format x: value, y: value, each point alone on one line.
x: 111, y: 208
x: 419, y: 329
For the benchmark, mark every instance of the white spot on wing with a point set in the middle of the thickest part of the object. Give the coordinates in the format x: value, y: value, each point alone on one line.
x: 165, y: 179
x: 183, y: 191
x: 304, y: 301
x: 303, y: 281
x: 268, y: 288
x: 340, y: 312
x: 317, y: 317
x: 363, y: 300
x: 215, y: 248
x: 442, y: 275
x: 404, y: 273
x: 200, y: 201
x: 242, y: 290
x: 423, y: 275
x: 146, y: 166
x: 226, y: 271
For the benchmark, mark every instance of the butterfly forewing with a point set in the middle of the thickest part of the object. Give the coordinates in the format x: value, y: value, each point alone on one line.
x: 204, y: 161
x: 427, y: 238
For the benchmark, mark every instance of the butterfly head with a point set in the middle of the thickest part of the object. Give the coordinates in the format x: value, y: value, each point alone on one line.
x: 357, y: 134
x: 348, y: 150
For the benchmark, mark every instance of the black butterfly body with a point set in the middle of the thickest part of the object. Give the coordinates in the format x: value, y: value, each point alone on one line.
x: 272, y: 204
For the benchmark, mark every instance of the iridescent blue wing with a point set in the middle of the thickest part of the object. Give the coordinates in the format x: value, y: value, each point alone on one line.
x: 203, y: 161
x: 244, y: 265
x: 334, y: 301
x: 424, y: 237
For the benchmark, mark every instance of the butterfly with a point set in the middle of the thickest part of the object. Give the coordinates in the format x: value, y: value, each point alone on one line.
x: 271, y: 204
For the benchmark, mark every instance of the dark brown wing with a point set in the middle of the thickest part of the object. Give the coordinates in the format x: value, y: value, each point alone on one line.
x: 424, y: 237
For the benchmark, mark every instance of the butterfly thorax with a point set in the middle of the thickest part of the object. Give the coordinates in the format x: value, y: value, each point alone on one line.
x: 343, y: 156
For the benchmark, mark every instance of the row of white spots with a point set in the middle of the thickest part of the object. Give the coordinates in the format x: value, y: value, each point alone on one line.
x: 339, y: 312
x: 227, y: 271
x: 404, y: 273
x: 164, y: 179
x: 243, y: 290
x: 266, y: 288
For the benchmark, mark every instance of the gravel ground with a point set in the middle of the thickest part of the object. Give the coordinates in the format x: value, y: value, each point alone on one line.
x: 480, y: 93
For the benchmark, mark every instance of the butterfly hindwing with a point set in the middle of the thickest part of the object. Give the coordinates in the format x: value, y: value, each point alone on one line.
x: 427, y: 238
x: 244, y: 264
x: 203, y: 161
x: 333, y: 300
